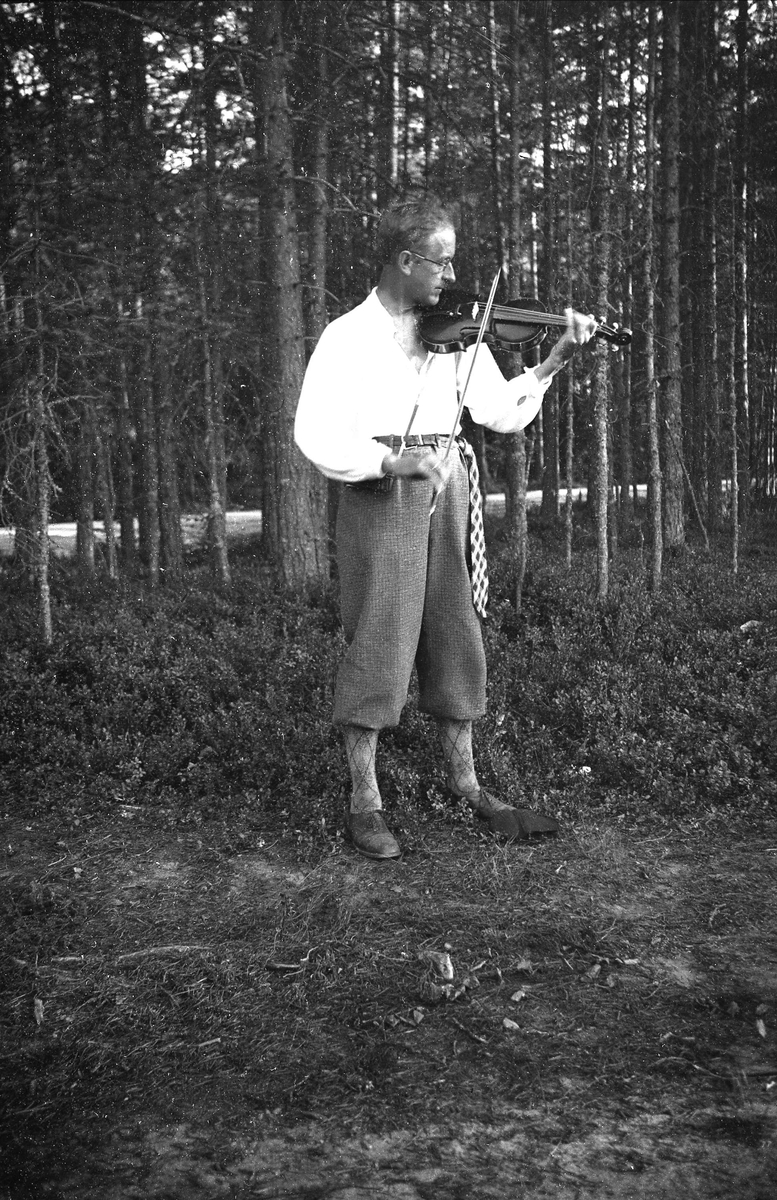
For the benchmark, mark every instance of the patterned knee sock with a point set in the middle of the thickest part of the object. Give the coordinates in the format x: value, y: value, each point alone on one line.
x: 361, y: 746
x: 456, y: 740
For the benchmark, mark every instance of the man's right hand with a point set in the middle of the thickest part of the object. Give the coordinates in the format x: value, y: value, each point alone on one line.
x: 429, y: 465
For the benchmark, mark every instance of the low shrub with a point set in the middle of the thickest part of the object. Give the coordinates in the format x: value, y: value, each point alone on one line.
x: 201, y: 703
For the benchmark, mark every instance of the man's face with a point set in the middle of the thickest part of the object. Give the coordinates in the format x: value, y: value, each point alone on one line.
x: 432, y: 266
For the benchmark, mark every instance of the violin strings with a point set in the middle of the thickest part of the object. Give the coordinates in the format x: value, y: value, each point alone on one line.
x: 530, y: 315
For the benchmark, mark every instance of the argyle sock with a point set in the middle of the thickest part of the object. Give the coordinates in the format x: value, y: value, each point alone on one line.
x: 456, y: 737
x: 361, y: 747
x: 456, y: 741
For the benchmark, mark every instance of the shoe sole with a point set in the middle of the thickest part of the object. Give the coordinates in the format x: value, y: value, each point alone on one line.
x: 376, y: 857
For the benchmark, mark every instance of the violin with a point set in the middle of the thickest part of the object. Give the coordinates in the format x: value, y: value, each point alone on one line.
x: 455, y: 322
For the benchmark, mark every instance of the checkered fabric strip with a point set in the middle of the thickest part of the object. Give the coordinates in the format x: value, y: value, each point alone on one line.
x: 477, y: 537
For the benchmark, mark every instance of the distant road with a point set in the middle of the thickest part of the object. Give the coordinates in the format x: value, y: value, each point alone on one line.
x: 240, y: 525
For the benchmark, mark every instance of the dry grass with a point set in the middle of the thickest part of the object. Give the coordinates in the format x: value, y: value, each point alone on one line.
x: 588, y: 972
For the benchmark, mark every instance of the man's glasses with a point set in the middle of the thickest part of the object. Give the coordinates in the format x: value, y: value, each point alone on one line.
x: 442, y: 264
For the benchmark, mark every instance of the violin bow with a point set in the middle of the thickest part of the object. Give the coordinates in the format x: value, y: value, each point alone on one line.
x: 462, y: 397
x: 481, y: 331
x: 406, y: 434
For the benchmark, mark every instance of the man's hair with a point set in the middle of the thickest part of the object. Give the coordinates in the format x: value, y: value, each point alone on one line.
x: 409, y: 221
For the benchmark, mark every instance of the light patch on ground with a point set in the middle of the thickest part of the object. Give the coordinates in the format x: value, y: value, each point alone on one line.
x: 645, y: 1157
x: 152, y: 874
x: 679, y: 970
x: 274, y: 877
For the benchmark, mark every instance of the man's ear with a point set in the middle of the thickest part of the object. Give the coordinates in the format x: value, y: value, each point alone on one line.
x: 405, y: 261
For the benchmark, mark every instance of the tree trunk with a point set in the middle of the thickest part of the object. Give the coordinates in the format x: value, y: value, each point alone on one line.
x: 515, y: 459
x: 209, y: 295
x: 105, y: 497
x: 741, y: 383
x: 496, y: 138
x: 387, y: 117
x: 125, y: 489
x: 294, y: 493
x: 316, y: 309
x: 550, y: 430
x: 624, y: 391
x: 85, y: 515
x: 150, y: 537
x: 694, y: 233
x: 709, y: 351
x: 601, y: 228
x: 569, y: 461
x: 171, y: 540
x: 655, y: 488
x: 40, y: 484
x: 217, y: 517
x: 674, y: 507
x: 138, y: 282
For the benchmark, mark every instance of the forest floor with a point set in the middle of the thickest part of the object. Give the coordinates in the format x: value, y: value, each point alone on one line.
x: 603, y: 1024
x: 207, y: 994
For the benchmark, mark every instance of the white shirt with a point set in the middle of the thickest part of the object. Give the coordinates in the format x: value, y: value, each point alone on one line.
x: 360, y: 384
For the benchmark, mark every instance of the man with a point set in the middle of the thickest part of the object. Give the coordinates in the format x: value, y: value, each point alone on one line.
x: 375, y: 412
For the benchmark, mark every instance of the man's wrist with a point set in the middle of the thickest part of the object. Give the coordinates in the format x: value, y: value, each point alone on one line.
x: 561, y: 354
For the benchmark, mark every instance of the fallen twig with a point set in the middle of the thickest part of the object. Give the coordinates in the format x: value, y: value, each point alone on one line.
x: 152, y: 950
x: 475, y: 1036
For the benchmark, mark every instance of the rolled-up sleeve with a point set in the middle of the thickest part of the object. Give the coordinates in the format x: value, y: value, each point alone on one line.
x: 504, y: 405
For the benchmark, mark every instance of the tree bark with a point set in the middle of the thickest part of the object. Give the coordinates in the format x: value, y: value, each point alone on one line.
x: 171, y: 540
x: 655, y: 488
x: 674, y: 506
x: 515, y: 459
x: 125, y: 471
x: 209, y: 296
x: 85, y: 514
x: 496, y: 138
x: 149, y: 531
x: 294, y: 493
x: 40, y: 484
x: 741, y: 381
x: 105, y: 496
x: 625, y: 391
x: 601, y: 226
x: 550, y: 406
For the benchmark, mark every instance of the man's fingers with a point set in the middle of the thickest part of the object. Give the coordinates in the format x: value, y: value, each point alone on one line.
x: 581, y: 327
x: 431, y: 465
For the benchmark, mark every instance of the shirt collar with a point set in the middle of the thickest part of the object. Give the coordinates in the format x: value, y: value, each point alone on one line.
x: 377, y: 311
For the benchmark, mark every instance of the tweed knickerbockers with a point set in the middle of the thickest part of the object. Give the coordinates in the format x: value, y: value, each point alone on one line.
x: 406, y: 598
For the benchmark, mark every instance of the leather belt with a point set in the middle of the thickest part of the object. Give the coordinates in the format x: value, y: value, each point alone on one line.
x: 394, y: 440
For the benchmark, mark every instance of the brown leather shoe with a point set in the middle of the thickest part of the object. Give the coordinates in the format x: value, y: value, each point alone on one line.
x: 514, y: 824
x: 370, y: 836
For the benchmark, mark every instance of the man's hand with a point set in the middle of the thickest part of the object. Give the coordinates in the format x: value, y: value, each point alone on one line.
x: 580, y: 329
x: 429, y: 465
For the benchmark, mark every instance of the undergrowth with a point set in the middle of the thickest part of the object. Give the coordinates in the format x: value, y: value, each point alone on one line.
x: 196, y: 704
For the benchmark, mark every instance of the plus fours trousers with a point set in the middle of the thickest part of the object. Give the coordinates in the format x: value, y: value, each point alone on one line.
x: 406, y: 599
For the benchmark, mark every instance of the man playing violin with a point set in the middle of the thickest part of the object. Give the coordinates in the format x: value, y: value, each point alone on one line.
x: 376, y: 413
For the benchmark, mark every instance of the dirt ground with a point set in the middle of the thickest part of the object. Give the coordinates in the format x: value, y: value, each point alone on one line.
x: 196, y: 1014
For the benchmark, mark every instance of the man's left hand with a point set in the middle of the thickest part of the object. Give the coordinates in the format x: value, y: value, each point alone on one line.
x: 580, y: 329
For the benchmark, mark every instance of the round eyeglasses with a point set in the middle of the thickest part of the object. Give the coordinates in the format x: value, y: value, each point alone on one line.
x: 442, y: 264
